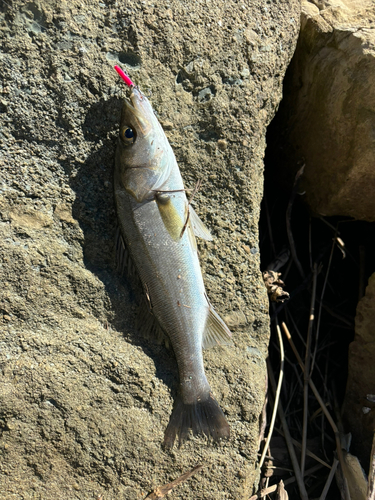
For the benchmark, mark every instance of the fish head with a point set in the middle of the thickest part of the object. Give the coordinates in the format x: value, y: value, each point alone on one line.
x: 143, y: 157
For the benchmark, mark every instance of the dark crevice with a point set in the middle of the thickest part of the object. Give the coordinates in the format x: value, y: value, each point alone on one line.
x: 341, y: 280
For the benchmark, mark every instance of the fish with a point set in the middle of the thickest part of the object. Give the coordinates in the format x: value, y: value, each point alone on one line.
x: 158, y: 229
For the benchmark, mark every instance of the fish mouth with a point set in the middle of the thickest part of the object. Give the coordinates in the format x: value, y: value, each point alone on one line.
x: 135, y: 108
x: 135, y: 101
x: 129, y: 106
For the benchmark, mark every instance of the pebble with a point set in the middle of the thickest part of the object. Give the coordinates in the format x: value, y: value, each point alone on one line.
x: 167, y: 125
x: 222, y: 144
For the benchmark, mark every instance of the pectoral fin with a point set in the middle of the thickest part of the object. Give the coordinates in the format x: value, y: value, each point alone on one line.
x: 171, y: 218
x: 199, y: 228
x: 173, y: 222
x: 216, y: 331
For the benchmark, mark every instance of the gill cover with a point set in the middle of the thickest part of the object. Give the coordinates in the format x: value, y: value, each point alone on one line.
x: 143, y: 151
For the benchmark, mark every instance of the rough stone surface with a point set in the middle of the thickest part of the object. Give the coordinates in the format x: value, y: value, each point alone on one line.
x: 359, y: 404
x: 84, y: 400
x: 327, y: 119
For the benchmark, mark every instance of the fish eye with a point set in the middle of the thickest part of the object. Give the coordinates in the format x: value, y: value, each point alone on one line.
x: 127, y: 135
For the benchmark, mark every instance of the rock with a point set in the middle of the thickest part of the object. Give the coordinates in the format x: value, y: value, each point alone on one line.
x: 327, y: 118
x: 167, y: 125
x: 222, y: 144
x: 84, y: 399
x: 359, y: 404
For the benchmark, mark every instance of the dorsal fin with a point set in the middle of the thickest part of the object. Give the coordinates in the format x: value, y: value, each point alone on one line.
x: 124, y: 261
x: 199, y: 228
x: 216, y: 331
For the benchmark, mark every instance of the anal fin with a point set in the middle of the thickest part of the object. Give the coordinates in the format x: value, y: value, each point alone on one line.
x: 147, y: 324
x: 216, y: 331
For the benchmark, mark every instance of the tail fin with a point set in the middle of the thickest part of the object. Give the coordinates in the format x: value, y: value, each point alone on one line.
x: 203, y: 417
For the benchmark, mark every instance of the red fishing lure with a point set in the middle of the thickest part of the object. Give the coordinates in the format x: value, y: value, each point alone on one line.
x: 125, y: 77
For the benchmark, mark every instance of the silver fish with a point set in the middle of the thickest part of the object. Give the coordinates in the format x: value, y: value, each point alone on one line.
x: 158, y: 227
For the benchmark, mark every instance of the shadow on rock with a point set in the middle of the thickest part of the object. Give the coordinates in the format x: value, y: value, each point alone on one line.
x: 94, y: 209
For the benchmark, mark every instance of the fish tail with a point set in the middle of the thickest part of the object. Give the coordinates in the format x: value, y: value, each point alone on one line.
x: 203, y: 417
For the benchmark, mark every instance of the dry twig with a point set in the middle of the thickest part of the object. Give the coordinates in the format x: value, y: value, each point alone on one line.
x: 263, y: 492
x: 308, y: 452
x: 277, y: 396
x: 291, y: 480
x: 329, y: 479
x: 289, y: 222
x: 306, y: 372
x: 323, y: 407
x: 281, y: 492
x: 162, y: 491
x: 321, y: 300
x: 288, y: 439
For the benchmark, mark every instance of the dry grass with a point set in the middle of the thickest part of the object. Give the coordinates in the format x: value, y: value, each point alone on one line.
x: 317, y: 460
